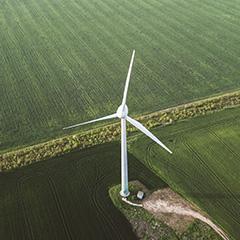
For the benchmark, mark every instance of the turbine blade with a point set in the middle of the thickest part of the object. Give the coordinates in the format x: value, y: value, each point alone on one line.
x: 139, y: 126
x: 92, y: 121
x: 128, y: 79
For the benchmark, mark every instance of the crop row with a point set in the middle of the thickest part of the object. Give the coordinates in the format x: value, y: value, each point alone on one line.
x: 111, y: 132
x: 58, y: 59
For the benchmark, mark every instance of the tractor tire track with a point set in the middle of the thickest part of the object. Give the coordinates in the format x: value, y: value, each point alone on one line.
x: 60, y: 208
x: 19, y: 189
x: 217, y: 179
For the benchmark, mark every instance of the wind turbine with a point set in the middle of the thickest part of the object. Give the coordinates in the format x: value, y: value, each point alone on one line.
x: 122, y: 113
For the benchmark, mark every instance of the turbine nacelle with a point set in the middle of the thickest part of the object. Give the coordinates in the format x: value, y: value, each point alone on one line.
x: 122, y: 111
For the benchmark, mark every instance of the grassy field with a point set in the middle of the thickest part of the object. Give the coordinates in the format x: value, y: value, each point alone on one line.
x: 67, y: 197
x: 204, y: 166
x: 64, y: 61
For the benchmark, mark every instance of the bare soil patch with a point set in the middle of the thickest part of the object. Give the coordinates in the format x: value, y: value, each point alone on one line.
x: 176, y: 212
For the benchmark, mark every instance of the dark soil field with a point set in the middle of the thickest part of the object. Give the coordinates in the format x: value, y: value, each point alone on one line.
x: 67, y: 197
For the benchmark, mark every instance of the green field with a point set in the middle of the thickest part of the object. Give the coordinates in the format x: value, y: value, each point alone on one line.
x: 65, y: 61
x: 67, y: 197
x: 205, y: 164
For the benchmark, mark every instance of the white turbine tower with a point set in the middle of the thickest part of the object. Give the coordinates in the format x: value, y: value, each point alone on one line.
x: 122, y: 113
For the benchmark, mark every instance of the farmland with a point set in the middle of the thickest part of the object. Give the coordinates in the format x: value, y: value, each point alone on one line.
x: 205, y: 165
x: 63, y: 61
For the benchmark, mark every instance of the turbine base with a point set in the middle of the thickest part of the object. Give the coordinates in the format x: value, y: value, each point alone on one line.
x: 124, y: 193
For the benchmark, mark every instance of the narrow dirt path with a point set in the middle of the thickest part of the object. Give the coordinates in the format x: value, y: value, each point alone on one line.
x: 166, y: 201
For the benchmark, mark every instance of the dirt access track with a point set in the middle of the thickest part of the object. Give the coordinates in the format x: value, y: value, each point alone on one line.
x: 176, y: 212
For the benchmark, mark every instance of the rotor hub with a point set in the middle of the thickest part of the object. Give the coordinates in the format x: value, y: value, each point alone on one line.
x: 122, y: 111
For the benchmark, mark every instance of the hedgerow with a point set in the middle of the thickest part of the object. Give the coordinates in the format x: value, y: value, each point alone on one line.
x: 112, y: 132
